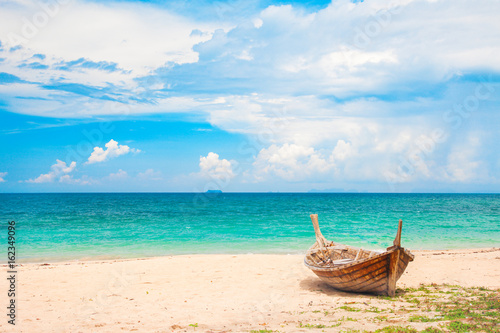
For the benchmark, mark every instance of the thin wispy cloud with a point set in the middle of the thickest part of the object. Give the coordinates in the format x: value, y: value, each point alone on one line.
x: 150, y: 175
x: 118, y: 176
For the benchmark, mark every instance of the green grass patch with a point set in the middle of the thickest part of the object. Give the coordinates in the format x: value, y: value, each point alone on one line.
x: 374, y: 309
x: 475, y: 309
x: 431, y: 330
x: 396, y: 329
x: 451, y: 308
x: 317, y: 325
x: 460, y: 327
x: 349, y: 308
x: 421, y: 319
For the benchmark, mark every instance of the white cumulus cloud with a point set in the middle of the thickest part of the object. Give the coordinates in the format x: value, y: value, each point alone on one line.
x: 2, y: 176
x: 113, y: 149
x: 342, y: 151
x: 59, y: 171
x: 290, y: 162
x: 213, y: 167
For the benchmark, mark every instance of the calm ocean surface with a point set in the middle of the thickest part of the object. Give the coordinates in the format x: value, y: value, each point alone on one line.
x: 82, y: 226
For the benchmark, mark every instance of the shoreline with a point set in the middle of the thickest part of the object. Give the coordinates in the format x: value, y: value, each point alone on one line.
x: 23, y: 262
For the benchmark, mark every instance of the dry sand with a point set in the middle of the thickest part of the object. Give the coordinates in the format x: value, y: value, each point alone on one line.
x: 212, y: 293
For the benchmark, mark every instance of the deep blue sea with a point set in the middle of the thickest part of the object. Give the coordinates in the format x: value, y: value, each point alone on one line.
x: 52, y: 227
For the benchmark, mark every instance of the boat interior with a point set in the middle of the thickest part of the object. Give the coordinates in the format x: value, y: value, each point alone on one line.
x: 334, y: 254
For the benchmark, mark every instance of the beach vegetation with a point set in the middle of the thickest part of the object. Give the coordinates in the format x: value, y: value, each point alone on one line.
x: 443, y: 308
x: 461, y: 327
x: 301, y: 325
x: 396, y: 329
x: 374, y: 309
x: 349, y: 308
x: 472, y: 309
x: 421, y: 319
x: 431, y: 330
x: 452, y: 309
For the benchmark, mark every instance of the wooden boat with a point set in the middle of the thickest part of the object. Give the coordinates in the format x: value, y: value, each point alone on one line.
x: 355, y: 269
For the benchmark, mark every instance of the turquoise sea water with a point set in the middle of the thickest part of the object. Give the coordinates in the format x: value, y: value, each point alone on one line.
x: 82, y: 226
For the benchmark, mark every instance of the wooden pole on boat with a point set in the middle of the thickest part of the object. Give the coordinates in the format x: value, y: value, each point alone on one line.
x: 320, y: 239
x: 397, y: 240
x: 319, y: 236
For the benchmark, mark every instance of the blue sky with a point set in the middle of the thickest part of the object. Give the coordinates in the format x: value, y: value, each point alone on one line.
x: 373, y: 96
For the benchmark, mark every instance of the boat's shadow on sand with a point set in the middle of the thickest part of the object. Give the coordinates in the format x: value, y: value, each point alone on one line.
x: 313, y: 284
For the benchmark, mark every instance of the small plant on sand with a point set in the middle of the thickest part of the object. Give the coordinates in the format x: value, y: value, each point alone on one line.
x: 431, y: 330
x: 421, y: 319
x: 374, y: 309
x: 396, y: 329
x: 317, y: 325
x: 349, y: 308
x: 311, y: 325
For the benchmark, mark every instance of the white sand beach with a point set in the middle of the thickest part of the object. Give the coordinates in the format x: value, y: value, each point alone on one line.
x: 212, y: 293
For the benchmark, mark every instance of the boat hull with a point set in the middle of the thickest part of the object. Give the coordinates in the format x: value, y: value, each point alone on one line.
x: 377, y: 274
